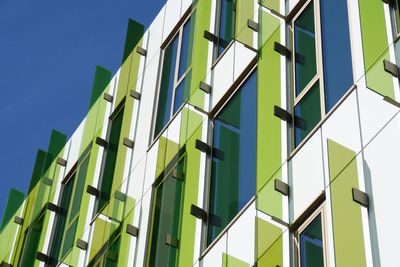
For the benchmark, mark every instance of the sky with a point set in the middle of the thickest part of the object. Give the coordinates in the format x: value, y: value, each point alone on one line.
x: 48, y: 54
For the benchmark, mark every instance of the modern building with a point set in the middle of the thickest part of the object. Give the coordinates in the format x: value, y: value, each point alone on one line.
x: 235, y: 133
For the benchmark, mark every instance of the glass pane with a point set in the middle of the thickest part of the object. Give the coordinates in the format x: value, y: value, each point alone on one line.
x: 338, y: 71
x: 76, y: 204
x: 311, y: 245
x: 304, y: 45
x: 307, y: 113
x: 233, y: 179
x: 186, y: 51
x: 62, y: 218
x: 31, y: 243
x: 226, y: 29
x: 111, y: 157
x: 182, y: 91
x: 69, y: 238
x: 166, y: 221
x: 167, y: 86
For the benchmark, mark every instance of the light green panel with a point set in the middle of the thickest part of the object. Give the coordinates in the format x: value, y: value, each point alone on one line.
x: 9, y: 232
x: 268, y: 26
x: 126, y: 239
x: 375, y: 43
x: 190, y: 121
x: 244, y: 12
x: 271, y: 4
x: 268, y: 199
x: 346, y: 214
x: 266, y: 235
x: 101, y: 233
x: 230, y: 261
x: 274, y: 255
x: 90, y: 125
x: 123, y: 80
x: 268, y: 126
x: 191, y: 185
x: 200, y: 47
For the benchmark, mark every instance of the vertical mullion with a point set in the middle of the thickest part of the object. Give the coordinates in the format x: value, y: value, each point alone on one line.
x: 178, y: 56
x: 320, y: 68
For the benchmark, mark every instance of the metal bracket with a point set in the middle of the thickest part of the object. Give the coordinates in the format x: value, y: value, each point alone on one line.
x: 281, y: 187
x: 62, y: 162
x: 210, y: 37
x: 203, y: 147
x: 253, y: 25
x: 5, y: 264
x: 81, y: 244
x: 18, y: 220
x: 205, y: 87
x: 282, y: 114
x: 47, y: 181
x: 135, y: 95
x: 128, y: 142
x: 40, y: 256
x: 171, y: 241
x: 391, y: 68
x: 132, y: 230
x: 101, y: 142
x: 199, y: 213
x: 141, y: 51
x: 120, y: 196
x: 283, y: 50
x: 108, y: 98
x: 93, y: 191
x: 53, y: 207
x: 360, y: 197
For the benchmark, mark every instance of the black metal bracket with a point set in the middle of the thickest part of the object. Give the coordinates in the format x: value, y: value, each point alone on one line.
x: 132, y: 230
x: 108, y: 98
x: 283, y: 50
x: 128, y: 142
x: 81, y: 244
x: 282, y: 114
x: 62, y: 162
x: 199, y: 213
x: 210, y: 37
x: 101, y: 142
x: 40, y: 256
x: 360, y: 197
x: 53, y: 207
x: 281, y: 187
x: 135, y: 95
x: 93, y: 191
x: 391, y: 68
x: 203, y: 147
x: 18, y: 220
x: 141, y: 51
x: 253, y: 25
x: 205, y: 87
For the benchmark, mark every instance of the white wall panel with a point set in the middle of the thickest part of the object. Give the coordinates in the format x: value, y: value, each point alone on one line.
x: 76, y: 140
x: 151, y: 165
x: 155, y: 32
x: 241, y: 236
x: 306, y: 176
x: 381, y: 168
x: 243, y: 57
x: 185, y: 5
x: 172, y: 16
x: 215, y: 255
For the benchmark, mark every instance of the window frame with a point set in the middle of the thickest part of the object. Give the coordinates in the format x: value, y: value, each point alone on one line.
x: 204, y: 246
x: 320, y: 210
x: 318, y: 77
x: 176, y: 33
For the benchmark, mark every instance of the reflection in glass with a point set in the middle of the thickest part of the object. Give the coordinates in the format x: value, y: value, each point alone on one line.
x: 307, y: 114
x: 226, y: 29
x: 304, y: 45
x: 233, y: 179
x: 311, y: 245
x: 185, y: 56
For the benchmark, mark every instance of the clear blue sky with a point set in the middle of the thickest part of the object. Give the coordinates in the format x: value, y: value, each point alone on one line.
x: 48, y: 53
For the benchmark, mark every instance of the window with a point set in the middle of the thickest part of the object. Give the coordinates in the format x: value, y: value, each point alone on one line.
x: 110, y: 158
x: 233, y: 174
x: 167, y: 212
x: 309, y: 242
x: 225, y: 26
x: 67, y: 222
x: 175, y: 76
x: 319, y: 80
x: 108, y: 254
x: 395, y: 17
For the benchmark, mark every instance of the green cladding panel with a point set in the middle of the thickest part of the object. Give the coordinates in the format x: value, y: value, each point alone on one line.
x: 345, y: 212
x: 14, y: 201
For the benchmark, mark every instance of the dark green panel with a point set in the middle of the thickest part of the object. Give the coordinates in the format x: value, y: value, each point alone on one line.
x: 134, y: 33
x: 37, y: 169
x: 14, y: 201
x: 102, y: 78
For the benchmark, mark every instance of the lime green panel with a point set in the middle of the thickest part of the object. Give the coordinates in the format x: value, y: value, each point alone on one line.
x: 268, y: 126
x: 230, y: 261
x: 267, y: 235
x: 191, y: 186
x: 244, y: 12
x: 268, y: 25
x: 375, y: 43
x: 202, y: 13
x: 274, y: 255
x: 9, y: 232
x: 271, y: 4
x: 268, y: 199
x: 126, y: 240
x: 346, y: 214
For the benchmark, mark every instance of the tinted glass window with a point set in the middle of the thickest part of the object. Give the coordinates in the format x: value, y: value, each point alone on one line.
x: 311, y: 245
x: 233, y: 179
x: 304, y: 42
x: 226, y: 28
x: 338, y: 71
x: 185, y: 56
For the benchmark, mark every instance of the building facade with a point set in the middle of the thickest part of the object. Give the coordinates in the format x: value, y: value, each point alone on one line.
x: 235, y: 133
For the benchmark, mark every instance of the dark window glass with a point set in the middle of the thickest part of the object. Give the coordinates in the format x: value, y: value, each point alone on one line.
x: 69, y: 238
x: 31, y: 242
x: 338, y: 71
x: 226, y: 28
x: 110, y: 160
x: 304, y: 45
x: 76, y: 204
x: 233, y: 179
x: 167, y: 214
x: 61, y: 219
x: 307, y: 114
x: 167, y: 86
x: 186, y: 47
x: 311, y: 245
x: 108, y: 254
